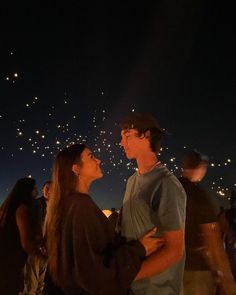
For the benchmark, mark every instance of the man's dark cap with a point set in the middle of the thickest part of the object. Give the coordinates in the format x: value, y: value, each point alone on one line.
x: 141, y: 122
x: 193, y: 159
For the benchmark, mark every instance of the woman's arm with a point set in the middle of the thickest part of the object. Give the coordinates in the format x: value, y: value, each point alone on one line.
x: 96, y: 271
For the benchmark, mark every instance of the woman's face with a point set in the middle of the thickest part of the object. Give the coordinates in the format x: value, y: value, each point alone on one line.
x: 89, y: 168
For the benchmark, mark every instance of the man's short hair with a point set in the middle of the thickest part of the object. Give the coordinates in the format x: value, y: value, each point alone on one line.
x: 193, y: 159
x: 143, y: 122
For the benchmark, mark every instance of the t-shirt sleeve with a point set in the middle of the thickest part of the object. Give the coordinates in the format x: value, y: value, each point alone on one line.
x: 169, y: 205
x: 101, y: 272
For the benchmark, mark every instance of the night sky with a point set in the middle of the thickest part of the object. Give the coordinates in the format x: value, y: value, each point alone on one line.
x: 69, y: 72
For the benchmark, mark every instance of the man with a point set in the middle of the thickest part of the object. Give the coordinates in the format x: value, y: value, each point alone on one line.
x: 206, y: 261
x: 113, y: 217
x: 230, y: 234
x: 36, y: 266
x: 42, y: 201
x: 37, y: 277
x: 153, y: 197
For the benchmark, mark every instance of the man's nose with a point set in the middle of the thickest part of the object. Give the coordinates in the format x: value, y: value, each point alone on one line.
x: 121, y: 142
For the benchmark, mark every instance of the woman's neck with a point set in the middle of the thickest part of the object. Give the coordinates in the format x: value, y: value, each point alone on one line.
x: 83, y: 187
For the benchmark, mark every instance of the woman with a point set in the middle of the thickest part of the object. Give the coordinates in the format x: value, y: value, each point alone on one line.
x: 16, y: 235
x: 83, y: 258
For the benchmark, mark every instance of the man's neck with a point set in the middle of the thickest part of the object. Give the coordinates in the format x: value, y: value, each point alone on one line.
x: 147, y: 162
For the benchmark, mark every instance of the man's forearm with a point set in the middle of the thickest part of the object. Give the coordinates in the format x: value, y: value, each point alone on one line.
x: 158, y: 262
x: 217, y: 258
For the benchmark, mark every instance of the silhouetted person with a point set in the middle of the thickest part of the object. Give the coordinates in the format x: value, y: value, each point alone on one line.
x: 113, y: 218
x: 230, y: 238
x: 37, y: 278
x: 16, y: 235
x: 206, y: 261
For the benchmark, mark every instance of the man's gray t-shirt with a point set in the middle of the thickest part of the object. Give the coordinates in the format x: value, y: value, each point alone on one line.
x: 155, y: 198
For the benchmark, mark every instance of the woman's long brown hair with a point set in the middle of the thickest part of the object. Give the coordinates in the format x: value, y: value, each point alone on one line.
x: 63, y: 184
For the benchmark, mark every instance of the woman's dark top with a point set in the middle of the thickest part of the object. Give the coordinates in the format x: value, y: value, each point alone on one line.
x: 91, y: 263
x: 12, y: 256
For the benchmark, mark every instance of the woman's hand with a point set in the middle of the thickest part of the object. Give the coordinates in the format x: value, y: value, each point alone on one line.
x: 150, y: 242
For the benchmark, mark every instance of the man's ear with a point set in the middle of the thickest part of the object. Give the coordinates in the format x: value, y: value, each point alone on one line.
x: 147, y: 134
x: 75, y: 169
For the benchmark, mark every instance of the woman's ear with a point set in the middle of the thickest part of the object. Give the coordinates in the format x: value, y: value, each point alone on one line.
x: 75, y: 169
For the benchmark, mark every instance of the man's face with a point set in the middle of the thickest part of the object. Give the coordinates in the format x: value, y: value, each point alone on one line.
x: 132, y: 143
x: 200, y: 172
x: 35, y: 192
x: 196, y: 174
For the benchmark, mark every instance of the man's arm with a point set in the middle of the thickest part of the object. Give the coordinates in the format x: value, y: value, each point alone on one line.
x: 217, y: 259
x: 171, y: 252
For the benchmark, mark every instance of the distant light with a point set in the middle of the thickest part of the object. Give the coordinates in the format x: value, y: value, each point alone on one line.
x: 221, y: 193
x: 106, y: 212
x: 15, y: 75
